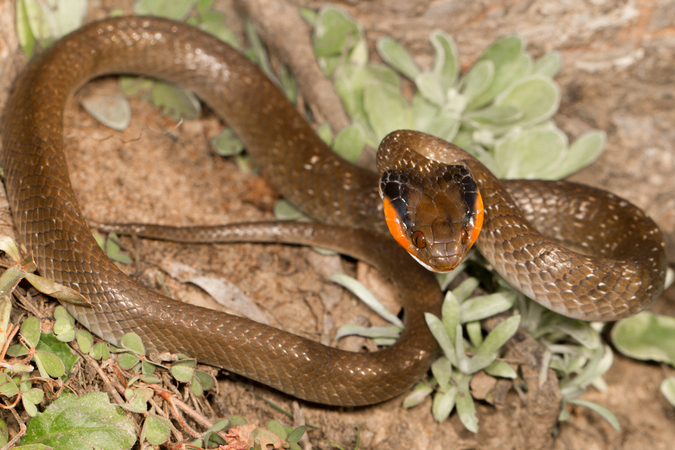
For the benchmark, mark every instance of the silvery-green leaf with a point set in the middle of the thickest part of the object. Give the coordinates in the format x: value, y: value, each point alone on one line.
x: 442, y: 337
x: 581, y: 331
x: 213, y: 22
x: 443, y: 404
x: 465, y: 289
x: 334, y: 29
x: 599, y: 363
x: 227, y: 143
x: 450, y: 314
x: 475, y: 333
x: 668, y: 390
x: 444, y: 279
x: 424, y: 111
x: 495, y: 114
x: 309, y: 15
x: 646, y: 336
x: 482, y: 155
x: 604, y: 412
x: 419, y: 393
x: 442, y: 370
x: 51, y: 20
x: 258, y: 48
x: 464, y: 138
x: 548, y: 65
x: 466, y: 409
x: 584, y: 151
x: 359, y: 53
x: 394, y: 54
x: 8, y: 246
x: 381, y: 74
x: 536, y: 96
x: 479, y: 308
x: 26, y: 37
x: 349, y: 142
x: 169, y: 9
x: 501, y: 369
x: 444, y: 125
x: 325, y: 133
x: 529, y: 153
x: 175, y: 101
x: 499, y: 336
x: 510, y: 64
x: 350, y: 329
x: 112, y: 111
x: 358, y: 289
x: 477, y: 80
x: 285, y: 210
x: 387, y: 110
x: 430, y: 86
x: 31, y: 330
x: 289, y: 84
x: 446, y: 63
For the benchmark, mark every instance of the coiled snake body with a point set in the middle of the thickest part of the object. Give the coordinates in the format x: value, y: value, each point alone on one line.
x: 626, y: 275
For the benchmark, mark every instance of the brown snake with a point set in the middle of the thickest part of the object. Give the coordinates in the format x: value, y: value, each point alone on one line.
x: 626, y: 275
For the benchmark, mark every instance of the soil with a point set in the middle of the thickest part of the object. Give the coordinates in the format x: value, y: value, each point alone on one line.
x: 618, y: 75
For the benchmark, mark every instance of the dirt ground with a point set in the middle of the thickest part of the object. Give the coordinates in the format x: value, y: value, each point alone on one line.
x: 618, y: 75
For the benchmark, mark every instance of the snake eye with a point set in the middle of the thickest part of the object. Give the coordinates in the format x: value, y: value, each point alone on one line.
x: 465, y: 235
x: 418, y: 239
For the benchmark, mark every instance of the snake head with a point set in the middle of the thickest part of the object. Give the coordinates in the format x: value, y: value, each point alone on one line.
x: 436, y: 216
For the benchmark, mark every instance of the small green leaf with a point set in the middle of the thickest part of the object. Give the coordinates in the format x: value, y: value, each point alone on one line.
x: 156, y: 430
x: 213, y: 22
x: 484, y: 306
x: 349, y: 143
x: 175, y: 101
x: 466, y: 409
x: 419, y: 393
x: 668, y: 390
x: 205, y: 380
x: 277, y: 428
x: 584, y: 151
x: 465, y: 289
x: 8, y: 387
x: 646, y: 336
x: 442, y: 371
x: 441, y: 335
x: 394, y: 54
x: 88, y: 422
x: 169, y: 9
x: 62, y: 325
x: 133, y: 342
x: 529, y: 153
x: 450, y: 315
x: 183, y: 370
x: 604, y: 412
x: 446, y: 63
x: 113, y: 111
x: 100, y: 351
x: 17, y: 350
x: 27, y: 40
x: 8, y: 246
x: 387, y: 110
x: 49, y: 365
x: 295, y: 435
x: 548, y: 65
x: 49, y: 344
x: 477, y: 80
x: 127, y: 360
x: 334, y: 29
x: 366, y: 297
x: 30, y: 331
x: 285, y: 210
x: 443, y: 404
x: 501, y: 369
x: 536, y: 96
x: 227, y: 143
x: 84, y: 340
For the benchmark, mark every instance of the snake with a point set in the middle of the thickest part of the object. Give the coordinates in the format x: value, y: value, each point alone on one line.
x: 576, y: 250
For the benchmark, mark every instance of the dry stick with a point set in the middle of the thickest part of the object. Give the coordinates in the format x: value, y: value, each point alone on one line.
x: 288, y: 35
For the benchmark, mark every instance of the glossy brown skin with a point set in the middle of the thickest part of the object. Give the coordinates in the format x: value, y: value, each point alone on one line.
x: 305, y: 171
